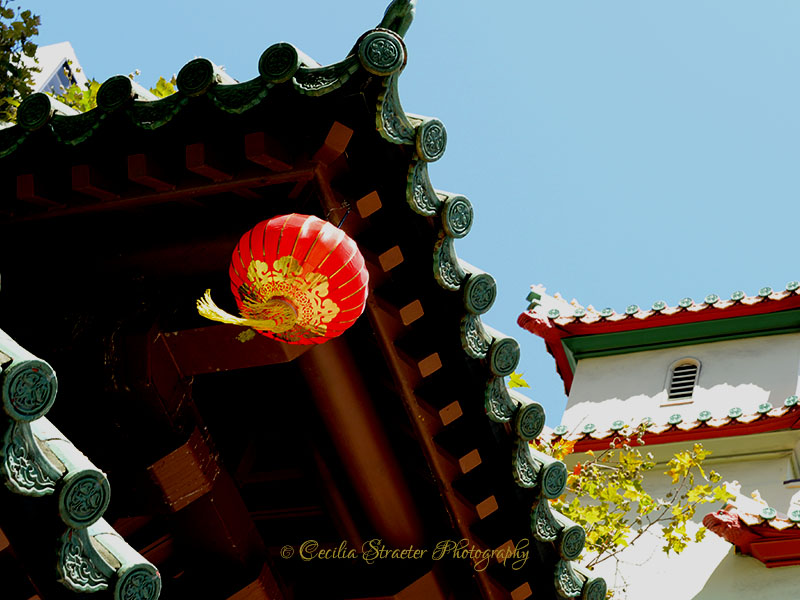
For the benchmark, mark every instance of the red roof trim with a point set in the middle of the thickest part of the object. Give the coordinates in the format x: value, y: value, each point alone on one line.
x: 553, y: 331
x: 773, y: 547
x: 698, y: 430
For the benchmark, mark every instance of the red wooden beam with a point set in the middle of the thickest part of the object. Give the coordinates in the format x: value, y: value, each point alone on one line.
x: 87, y: 180
x: 265, y: 151
x: 146, y: 172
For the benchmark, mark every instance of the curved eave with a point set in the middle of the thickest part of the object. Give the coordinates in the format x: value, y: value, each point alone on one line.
x: 775, y: 541
x: 571, y: 339
x: 774, y: 419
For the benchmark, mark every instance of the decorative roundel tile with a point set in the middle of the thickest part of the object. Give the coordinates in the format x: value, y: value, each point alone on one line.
x: 795, y: 516
x: 765, y: 291
x: 659, y: 305
x: 553, y: 313
x: 675, y: 419
x: 560, y: 430
x: 735, y: 413
x: 711, y: 299
x: 768, y: 513
x: 632, y: 310
x: 764, y: 408
x: 704, y: 416
x: 579, y: 312
x: 685, y: 302
x: 589, y: 428
x: 790, y: 401
x: 737, y: 295
x: 617, y: 425
x: 606, y: 312
x: 792, y: 286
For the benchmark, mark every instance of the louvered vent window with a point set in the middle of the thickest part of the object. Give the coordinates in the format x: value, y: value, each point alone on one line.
x: 684, y: 378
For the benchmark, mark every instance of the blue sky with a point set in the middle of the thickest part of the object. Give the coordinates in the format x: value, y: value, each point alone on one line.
x: 619, y: 152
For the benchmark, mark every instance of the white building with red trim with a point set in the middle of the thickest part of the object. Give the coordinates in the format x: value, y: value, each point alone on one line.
x: 725, y: 373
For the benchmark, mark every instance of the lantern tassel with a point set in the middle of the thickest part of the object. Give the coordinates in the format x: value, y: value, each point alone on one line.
x: 208, y: 309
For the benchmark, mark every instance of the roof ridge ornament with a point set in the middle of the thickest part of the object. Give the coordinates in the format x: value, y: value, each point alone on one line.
x: 399, y: 15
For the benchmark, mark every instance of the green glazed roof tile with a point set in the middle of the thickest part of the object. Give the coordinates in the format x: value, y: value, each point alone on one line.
x: 768, y: 513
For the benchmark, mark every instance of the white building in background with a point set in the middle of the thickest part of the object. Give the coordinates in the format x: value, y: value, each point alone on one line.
x: 725, y: 373
x: 58, y: 66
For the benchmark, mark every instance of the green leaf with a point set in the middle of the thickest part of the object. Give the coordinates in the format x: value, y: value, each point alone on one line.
x: 14, y: 43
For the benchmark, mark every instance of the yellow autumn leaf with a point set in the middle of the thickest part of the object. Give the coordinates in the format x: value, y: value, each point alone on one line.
x: 515, y: 380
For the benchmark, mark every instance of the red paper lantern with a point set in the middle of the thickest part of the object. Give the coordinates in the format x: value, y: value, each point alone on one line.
x: 296, y: 278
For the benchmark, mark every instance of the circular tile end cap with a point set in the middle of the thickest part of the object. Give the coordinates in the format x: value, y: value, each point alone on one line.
x: 764, y: 408
x: 431, y: 141
x: 115, y: 92
x: 382, y: 53
x: 735, y: 413
x: 704, y: 416
x: 790, y: 401
x: 675, y: 419
x: 138, y: 582
x: 278, y: 63
x: 617, y: 425
x: 768, y: 513
x: 35, y: 111
x: 28, y: 389
x: 196, y: 77
x: 560, y: 430
x: 457, y: 216
x: 84, y: 498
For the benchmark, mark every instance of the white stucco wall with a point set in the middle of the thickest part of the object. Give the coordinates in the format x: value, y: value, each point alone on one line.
x: 710, y: 570
x: 738, y: 373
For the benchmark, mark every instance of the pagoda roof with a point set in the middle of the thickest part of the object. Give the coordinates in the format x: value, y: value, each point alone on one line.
x: 757, y: 529
x: 573, y: 332
x: 681, y: 427
x: 135, y: 203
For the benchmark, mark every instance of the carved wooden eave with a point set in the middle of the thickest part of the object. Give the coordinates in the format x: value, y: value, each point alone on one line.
x: 136, y: 206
